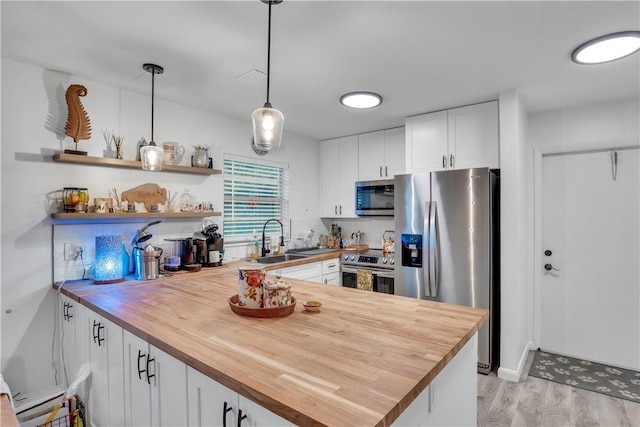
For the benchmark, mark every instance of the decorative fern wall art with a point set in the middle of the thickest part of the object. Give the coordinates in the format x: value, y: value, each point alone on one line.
x: 78, y: 126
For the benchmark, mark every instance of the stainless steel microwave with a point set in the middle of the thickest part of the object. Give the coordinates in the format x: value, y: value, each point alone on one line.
x: 374, y: 198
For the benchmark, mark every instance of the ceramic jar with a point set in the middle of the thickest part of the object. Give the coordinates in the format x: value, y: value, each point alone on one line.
x: 250, y: 280
x: 277, y: 294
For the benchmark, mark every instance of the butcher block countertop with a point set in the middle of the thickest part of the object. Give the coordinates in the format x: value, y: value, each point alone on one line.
x: 360, y: 361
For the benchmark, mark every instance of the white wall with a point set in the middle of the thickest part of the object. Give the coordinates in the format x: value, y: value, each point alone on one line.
x: 33, y: 116
x: 523, y: 137
x: 599, y: 126
x: 515, y: 240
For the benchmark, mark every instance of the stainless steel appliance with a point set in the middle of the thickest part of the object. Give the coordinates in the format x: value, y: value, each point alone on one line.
x: 374, y: 198
x: 448, y: 250
x: 381, y: 268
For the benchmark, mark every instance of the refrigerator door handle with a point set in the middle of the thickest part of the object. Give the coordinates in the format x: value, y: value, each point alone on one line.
x: 433, y: 224
x: 433, y: 249
x: 427, y: 235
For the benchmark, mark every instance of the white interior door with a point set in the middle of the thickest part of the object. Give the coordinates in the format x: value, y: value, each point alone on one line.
x: 590, y: 223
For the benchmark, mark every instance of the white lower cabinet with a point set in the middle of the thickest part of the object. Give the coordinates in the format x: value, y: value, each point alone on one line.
x: 331, y: 272
x: 451, y: 397
x: 327, y: 272
x: 212, y: 404
x: 105, y: 400
x: 74, y: 340
x: 311, y: 272
x: 155, y: 385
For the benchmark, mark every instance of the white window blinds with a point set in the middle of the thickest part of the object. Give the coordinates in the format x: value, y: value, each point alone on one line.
x: 254, y: 191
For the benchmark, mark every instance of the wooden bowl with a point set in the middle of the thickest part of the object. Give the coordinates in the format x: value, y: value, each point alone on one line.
x: 261, y: 312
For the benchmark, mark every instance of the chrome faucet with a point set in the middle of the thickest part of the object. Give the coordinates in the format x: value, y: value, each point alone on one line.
x: 265, y: 251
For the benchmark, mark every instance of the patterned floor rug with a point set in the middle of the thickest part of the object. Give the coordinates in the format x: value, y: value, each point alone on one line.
x: 615, y: 382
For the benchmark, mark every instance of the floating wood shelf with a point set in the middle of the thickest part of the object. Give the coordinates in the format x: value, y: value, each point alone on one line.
x: 128, y: 164
x: 95, y: 218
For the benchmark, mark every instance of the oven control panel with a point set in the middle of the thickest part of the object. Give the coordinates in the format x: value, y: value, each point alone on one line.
x: 367, y: 260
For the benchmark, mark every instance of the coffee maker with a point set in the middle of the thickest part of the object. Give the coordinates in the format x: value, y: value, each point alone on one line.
x: 208, y: 244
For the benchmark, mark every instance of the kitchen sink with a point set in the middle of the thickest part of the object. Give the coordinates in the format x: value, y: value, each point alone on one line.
x: 280, y: 258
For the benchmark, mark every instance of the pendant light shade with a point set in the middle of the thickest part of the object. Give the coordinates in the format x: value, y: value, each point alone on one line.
x: 151, y: 155
x: 267, y: 127
x: 268, y: 123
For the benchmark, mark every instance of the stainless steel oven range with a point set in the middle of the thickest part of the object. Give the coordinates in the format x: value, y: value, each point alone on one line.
x: 381, y: 268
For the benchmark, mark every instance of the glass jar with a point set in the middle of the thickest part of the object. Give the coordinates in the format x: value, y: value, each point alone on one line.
x: 186, y: 201
x: 200, y: 157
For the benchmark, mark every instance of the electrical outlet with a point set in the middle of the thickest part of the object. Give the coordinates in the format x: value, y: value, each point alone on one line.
x: 72, y: 251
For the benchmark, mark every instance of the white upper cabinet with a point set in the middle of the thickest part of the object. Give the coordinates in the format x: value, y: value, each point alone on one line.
x: 381, y: 154
x: 339, y: 175
x: 459, y: 138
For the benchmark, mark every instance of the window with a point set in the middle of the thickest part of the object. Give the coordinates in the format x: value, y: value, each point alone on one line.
x: 254, y: 191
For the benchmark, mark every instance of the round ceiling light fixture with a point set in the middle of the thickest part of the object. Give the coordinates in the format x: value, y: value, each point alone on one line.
x: 607, y: 48
x: 361, y: 100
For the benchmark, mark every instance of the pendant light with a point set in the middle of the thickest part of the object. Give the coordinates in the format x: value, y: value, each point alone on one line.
x: 267, y: 121
x: 151, y: 155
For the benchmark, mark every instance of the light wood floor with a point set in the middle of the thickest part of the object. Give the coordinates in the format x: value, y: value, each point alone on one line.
x: 537, y: 402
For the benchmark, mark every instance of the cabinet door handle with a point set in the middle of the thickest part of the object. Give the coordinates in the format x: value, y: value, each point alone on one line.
x: 340, y: 209
x: 335, y: 209
x: 67, y: 314
x: 95, y: 336
x: 380, y: 171
x: 65, y: 311
x: 444, y: 161
x: 325, y: 282
x: 100, y: 337
x: 386, y: 172
x: 226, y: 409
x: 140, y: 371
x: 241, y: 417
x: 149, y: 376
x: 451, y: 160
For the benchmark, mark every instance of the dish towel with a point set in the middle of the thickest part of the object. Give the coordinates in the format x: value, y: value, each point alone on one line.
x: 364, y: 279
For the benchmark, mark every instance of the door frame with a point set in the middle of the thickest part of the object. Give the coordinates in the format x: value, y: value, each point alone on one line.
x: 537, y: 226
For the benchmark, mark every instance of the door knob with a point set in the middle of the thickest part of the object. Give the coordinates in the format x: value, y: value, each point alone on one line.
x: 548, y: 252
x: 550, y: 267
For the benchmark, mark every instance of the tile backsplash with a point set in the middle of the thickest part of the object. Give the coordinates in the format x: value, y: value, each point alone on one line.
x: 84, y: 235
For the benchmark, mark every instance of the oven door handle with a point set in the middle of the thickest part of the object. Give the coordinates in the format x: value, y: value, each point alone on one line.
x: 374, y: 271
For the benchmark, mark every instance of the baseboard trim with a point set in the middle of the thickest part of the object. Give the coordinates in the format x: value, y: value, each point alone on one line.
x: 515, y: 375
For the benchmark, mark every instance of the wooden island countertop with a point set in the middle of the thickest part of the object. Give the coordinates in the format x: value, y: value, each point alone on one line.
x: 360, y: 361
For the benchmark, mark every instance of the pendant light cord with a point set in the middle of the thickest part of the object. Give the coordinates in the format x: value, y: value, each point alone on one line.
x: 153, y: 80
x: 269, y: 54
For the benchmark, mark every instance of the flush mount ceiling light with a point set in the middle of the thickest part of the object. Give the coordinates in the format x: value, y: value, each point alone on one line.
x: 267, y: 121
x: 151, y: 155
x: 361, y: 100
x: 607, y: 48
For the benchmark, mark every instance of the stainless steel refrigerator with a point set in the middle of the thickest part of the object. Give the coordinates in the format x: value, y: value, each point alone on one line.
x: 447, y: 224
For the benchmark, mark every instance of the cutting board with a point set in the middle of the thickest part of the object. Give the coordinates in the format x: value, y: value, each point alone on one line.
x: 149, y: 194
x: 357, y: 248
